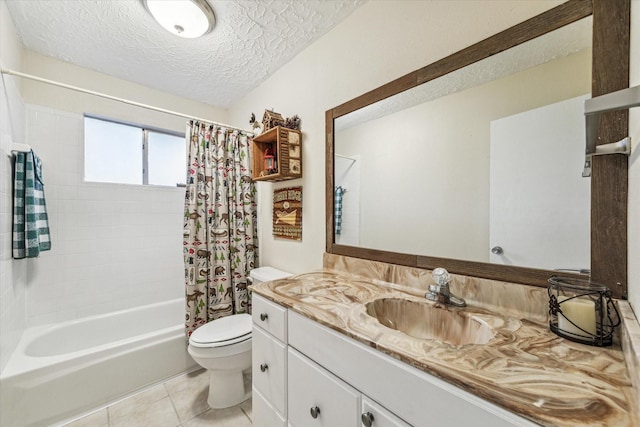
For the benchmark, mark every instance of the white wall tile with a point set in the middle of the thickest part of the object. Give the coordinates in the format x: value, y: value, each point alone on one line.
x: 115, y: 245
x: 12, y: 273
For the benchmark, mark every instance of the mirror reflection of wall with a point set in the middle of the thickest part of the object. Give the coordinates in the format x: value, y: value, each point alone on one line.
x: 548, y: 225
x: 425, y: 171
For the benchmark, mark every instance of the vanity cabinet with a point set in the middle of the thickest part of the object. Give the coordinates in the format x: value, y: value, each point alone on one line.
x: 269, y: 363
x: 286, y: 147
x: 333, y: 380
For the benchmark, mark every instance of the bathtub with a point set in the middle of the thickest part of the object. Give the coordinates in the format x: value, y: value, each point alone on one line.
x: 61, y: 370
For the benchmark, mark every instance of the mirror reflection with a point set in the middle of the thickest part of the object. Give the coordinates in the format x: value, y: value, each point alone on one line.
x: 483, y: 164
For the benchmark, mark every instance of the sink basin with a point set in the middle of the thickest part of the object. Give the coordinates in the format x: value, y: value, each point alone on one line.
x: 426, y: 321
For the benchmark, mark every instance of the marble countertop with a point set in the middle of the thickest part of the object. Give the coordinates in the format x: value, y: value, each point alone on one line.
x: 524, y: 368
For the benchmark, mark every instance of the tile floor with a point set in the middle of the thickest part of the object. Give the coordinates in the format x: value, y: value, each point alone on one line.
x: 179, y: 402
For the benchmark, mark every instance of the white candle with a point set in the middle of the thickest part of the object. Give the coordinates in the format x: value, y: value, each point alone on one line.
x: 580, y: 311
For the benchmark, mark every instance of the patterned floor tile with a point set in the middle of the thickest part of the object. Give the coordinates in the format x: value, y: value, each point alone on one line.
x: 181, y: 401
x: 189, y: 394
x: 134, y: 402
x: 157, y: 414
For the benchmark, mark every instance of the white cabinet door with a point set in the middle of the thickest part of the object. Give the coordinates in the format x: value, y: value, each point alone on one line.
x: 269, y: 369
x: 263, y: 414
x: 374, y: 415
x: 317, y: 398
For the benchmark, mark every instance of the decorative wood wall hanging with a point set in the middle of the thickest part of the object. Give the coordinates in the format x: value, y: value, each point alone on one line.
x: 287, y: 213
x: 284, y: 146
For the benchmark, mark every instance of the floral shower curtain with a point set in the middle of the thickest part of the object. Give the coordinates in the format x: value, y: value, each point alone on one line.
x: 220, y: 218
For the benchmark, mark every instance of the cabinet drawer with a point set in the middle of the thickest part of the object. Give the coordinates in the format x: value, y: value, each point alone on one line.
x: 269, y: 364
x: 379, y: 416
x: 263, y: 414
x: 311, y: 386
x: 270, y: 316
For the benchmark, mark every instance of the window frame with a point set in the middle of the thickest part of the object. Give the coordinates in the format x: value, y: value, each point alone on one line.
x: 144, y: 147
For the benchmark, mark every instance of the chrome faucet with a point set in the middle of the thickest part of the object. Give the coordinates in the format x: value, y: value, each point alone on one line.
x: 440, y: 291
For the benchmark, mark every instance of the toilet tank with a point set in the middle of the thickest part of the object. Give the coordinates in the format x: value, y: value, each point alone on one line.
x: 266, y: 274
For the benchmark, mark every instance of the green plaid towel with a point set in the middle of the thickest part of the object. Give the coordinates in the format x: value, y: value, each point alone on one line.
x: 339, y: 191
x: 30, y: 221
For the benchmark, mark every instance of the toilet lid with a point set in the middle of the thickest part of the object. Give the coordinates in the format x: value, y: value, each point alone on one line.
x: 224, y: 331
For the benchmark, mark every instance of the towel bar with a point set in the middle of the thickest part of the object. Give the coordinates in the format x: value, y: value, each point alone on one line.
x: 619, y: 100
x: 18, y: 148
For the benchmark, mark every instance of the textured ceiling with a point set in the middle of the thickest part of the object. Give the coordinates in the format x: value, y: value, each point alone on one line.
x: 251, y: 40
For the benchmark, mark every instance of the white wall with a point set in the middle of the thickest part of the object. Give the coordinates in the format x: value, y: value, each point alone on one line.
x: 67, y: 100
x: 380, y: 41
x: 12, y: 274
x: 634, y: 168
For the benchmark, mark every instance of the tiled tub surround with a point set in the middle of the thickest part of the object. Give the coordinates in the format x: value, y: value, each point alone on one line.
x: 525, y: 368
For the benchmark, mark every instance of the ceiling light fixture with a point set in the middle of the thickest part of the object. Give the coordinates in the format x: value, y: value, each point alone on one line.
x: 185, y: 18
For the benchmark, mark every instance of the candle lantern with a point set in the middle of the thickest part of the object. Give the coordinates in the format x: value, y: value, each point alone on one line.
x: 269, y: 160
x: 582, y: 311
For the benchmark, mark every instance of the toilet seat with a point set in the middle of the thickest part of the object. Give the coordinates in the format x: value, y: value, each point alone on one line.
x: 223, y: 332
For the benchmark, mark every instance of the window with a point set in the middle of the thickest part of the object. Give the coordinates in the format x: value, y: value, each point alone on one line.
x: 129, y: 154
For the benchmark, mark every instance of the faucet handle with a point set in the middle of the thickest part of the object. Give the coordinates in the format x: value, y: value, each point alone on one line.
x: 440, y: 276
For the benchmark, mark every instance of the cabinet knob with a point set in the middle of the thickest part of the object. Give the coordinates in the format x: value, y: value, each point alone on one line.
x: 367, y: 419
x: 315, y: 411
x: 264, y: 316
x: 264, y: 367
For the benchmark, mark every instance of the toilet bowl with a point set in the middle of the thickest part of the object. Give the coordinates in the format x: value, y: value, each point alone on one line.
x: 223, y: 347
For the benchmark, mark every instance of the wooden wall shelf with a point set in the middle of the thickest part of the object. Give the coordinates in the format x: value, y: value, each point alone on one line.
x: 287, y: 144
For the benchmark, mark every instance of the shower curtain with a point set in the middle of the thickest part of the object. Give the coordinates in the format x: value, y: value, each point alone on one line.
x: 220, y: 218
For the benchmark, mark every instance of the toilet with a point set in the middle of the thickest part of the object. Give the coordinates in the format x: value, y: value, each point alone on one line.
x: 223, y: 347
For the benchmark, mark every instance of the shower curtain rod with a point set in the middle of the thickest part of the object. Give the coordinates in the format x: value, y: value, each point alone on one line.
x: 115, y: 98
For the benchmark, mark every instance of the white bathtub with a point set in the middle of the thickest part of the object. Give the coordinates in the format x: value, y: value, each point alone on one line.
x: 60, y: 370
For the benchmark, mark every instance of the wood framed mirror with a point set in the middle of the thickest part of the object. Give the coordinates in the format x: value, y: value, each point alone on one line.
x: 605, y: 229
